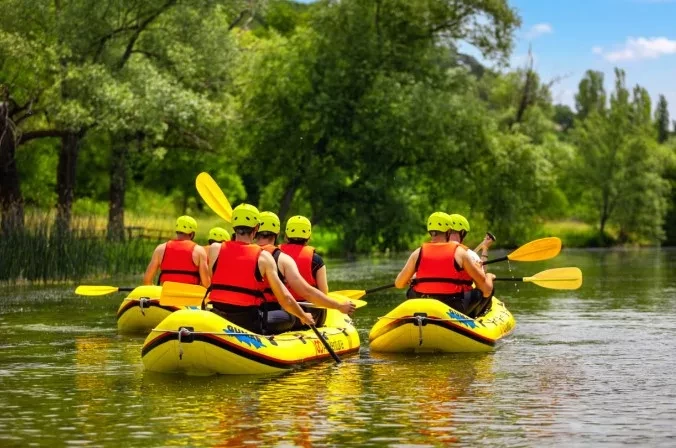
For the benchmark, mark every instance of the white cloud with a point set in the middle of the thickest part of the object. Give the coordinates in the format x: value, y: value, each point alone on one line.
x: 538, y: 30
x: 639, y: 48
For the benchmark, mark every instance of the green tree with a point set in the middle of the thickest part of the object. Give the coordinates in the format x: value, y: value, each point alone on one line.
x: 591, y: 95
x: 662, y: 119
x: 340, y: 111
x: 620, y: 166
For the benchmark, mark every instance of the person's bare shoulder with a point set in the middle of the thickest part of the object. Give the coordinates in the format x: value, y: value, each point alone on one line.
x: 160, y: 248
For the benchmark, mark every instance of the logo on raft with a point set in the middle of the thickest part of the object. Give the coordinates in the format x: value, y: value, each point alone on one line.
x: 462, y: 319
x: 335, y: 345
x: 247, y: 338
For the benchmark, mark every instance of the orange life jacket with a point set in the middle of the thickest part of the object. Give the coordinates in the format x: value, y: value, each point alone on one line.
x: 302, y: 255
x: 267, y: 290
x: 177, y: 264
x: 436, y: 271
x: 236, y: 279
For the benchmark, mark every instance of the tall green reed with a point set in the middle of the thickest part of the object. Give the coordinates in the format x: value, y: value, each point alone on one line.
x: 40, y: 253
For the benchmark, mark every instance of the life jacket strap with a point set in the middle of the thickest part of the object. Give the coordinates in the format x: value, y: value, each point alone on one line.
x: 453, y: 281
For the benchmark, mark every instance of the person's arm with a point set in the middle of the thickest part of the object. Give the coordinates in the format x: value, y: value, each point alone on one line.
x: 199, y: 255
x: 483, y: 281
x: 214, y: 249
x: 154, y: 265
x: 268, y: 269
x: 322, y: 282
x: 484, y: 246
x: 289, y: 269
x: 404, y: 277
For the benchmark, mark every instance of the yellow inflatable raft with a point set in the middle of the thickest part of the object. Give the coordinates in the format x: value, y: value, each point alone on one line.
x: 429, y: 326
x: 146, y: 306
x: 197, y: 342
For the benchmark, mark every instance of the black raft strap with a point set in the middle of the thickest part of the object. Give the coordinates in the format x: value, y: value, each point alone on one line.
x: 195, y: 274
x: 454, y: 281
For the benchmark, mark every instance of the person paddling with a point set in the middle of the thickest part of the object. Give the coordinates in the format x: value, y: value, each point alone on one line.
x: 241, y: 270
x: 180, y: 260
x: 445, y: 269
x: 288, y: 272
x: 216, y: 235
x: 310, y: 264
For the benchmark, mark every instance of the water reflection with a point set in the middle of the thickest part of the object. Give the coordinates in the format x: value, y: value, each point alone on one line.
x: 583, y: 368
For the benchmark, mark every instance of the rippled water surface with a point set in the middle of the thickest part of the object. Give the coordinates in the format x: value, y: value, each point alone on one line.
x: 588, y: 367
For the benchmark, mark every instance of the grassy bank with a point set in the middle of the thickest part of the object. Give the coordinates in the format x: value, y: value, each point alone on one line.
x: 39, y: 254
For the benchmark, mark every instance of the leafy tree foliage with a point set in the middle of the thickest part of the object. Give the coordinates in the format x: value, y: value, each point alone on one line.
x: 361, y: 114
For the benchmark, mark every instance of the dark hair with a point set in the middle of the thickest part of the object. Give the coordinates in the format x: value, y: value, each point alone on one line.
x: 243, y: 230
x: 267, y: 234
x: 462, y: 233
x: 434, y: 233
x: 298, y: 240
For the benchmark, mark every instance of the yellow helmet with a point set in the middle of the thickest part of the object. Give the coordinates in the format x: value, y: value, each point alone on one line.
x: 186, y: 224
x: 245, y: 215
x: 298, y: 227
x: 438, y: 221
x: 219, y: 234
x: 269, y: 223
x: 458, y: 223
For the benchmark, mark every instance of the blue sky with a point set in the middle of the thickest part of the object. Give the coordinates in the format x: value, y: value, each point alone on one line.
x: 569, y: 37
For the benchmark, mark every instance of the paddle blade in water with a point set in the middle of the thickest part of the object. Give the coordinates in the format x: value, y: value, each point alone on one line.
x: 542, y: 249
x: 212, y: 194
x: 95, y: 290
x: 559, y: 278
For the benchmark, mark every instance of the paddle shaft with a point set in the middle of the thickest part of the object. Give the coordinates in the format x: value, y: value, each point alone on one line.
x: 379, y: 288
x: 508, y: 279
x: 495, y: 260
x: 326, y: 344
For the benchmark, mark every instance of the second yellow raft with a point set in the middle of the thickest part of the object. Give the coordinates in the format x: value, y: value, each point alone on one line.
x: 430, y: 326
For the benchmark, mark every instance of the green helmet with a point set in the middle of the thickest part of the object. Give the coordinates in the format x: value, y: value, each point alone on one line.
x: 269, y: 223
x: 219, y: 235
x: 438, y: 221
x: 186, y: 224
x: 458, y: 223
x: 245, y: 215
x: 298, y: 227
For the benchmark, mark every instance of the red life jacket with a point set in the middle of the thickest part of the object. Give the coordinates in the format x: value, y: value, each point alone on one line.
x: 267, y: 290
x: 177, y: 264
x: 302, y: 255
x: 236, y: 279
x: 436, y: 271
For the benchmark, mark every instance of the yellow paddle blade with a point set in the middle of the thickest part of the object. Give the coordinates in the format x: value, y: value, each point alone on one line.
x: 95, y: 290
x: 175, y: 292
x: 337, y: 296
x: 542, y: 249
x: 559, y: 278
x: 353, y: 294
x: 212, y: 194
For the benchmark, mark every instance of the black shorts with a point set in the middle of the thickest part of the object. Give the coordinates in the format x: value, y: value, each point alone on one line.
x: 471, y: 303
x: 248, y: 317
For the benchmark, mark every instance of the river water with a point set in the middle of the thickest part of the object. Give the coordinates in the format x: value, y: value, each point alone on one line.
x: 583, y: 368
